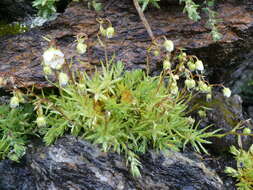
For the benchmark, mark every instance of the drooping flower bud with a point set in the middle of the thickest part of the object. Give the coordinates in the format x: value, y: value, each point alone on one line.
x: 174, y: 88
x: 63, y: 79
x: 102, y: 30
x: 199, y: 65
x: 81, y: 48
x: 190, y: 83
x: 208, y: 97
x: 166, y: 64
x: 41, y: 121
x: 247, y: 130
x: 14, y: 102
x: 202, y: 113
x: 156, y: 52
x: 168, y: 45
x: 54, y: 58
x: 226, y: 92
x: 191, y: 66
x: 47, y: 70
x: 110, y: 32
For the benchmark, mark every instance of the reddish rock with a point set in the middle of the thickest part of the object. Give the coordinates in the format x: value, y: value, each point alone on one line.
x: 20, y: 55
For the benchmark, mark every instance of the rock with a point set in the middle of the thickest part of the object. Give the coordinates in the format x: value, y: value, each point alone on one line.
x: 75, y: 164
x: 21, y: 55
x: 13, y: 9
x: 225, y: 114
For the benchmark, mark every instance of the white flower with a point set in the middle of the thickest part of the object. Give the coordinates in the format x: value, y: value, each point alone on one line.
x: 226, y: 92
x: 81, y: 48
x: 14, y: 102
x: 110, y: 32
x: 53, y: 58
x: 41, y: 121
x: 63, y: 79
x: 199, y: 65
x: 168, y: 45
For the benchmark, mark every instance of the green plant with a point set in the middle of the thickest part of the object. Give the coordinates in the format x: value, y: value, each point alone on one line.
x: 15, y: 127
x: 13, y: 28
x: 244, y: 172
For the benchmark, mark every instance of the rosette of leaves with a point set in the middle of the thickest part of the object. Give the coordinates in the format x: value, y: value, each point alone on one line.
x: 15, y: 127
x: 124, y: 112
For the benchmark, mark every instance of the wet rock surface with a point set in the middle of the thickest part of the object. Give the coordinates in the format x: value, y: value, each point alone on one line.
x: 21, y: 55
x: 76, y: 164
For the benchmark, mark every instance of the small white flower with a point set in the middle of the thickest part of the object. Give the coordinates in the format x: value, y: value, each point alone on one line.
x: 53, y: 58
x: 63, y: 79
x: 199, y: 65
x: 168, y: 45
x: 226, y: 92
x: 41, y: 121
x: 81, y: 48
x: 14, y: 102
x: 110, y: 32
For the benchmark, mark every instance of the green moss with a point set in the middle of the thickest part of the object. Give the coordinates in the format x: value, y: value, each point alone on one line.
x: 11, y: 29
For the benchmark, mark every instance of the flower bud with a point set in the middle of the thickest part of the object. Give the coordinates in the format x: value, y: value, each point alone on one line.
x: 81, y: 48
x: 168, y: 45
x: 208, y: 97
x: 246, y: 130
x: 156, y: 52
x: 226, y: 92
x: 14, y: 102
x: 53, y: 58
x: 166, y: 64
x: 174, y: 88
x: 63, y: 79
x: 102, y: 30
x: 202, y: 113
x: 191, y: 66
x: 203, y: 87
x: 191, y: 120
x: 199, y: 65
x: 47, y: 70
x: 189, y: 83
x: 110, y: 32
x: 41, y: 121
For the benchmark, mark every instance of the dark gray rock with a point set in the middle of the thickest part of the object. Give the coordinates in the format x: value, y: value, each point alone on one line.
x: 75, y: 164
x: 225, y: 114
x: 13, y: 9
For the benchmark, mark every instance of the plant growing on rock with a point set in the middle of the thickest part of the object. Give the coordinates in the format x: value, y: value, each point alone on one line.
x: 125, y: 112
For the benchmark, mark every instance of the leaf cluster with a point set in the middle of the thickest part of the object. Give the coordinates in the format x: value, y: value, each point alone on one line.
x: 15, y: 127
x: 244, y: 172
x: 125, y: 112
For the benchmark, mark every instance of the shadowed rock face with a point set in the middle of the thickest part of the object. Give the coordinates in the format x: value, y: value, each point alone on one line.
x: 76, y: 164
x: 20, y: 55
